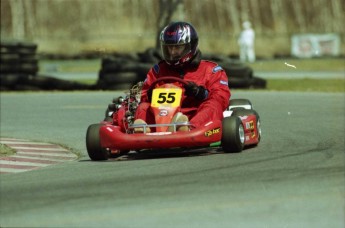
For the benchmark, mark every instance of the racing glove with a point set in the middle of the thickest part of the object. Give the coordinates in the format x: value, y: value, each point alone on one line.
x: 193, y: 90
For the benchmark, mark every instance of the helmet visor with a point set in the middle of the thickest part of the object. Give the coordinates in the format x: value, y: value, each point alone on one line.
x: 172, y: 53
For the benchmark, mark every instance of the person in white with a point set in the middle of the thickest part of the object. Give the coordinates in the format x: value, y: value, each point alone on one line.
x: 246, y: 43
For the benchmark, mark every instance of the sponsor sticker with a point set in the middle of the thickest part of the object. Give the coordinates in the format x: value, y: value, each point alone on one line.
x: 212, y: 132
x: 156, y: 68
x: 163, y: 112
x: 250, y: 125
x: 216, y: 69
x: 224, y: 82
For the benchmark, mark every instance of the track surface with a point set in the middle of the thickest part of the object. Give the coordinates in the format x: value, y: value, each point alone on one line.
x: 294, y: 178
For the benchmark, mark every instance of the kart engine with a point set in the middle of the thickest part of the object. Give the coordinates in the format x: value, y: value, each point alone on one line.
x: 129, y: 103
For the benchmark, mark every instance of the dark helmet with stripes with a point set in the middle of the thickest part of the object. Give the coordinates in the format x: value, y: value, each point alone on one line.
x: 179, y: 43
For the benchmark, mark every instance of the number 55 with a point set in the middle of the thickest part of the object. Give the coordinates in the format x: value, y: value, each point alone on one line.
x: 166, y: 98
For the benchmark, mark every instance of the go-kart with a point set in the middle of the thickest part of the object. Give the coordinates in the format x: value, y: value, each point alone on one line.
x: 114, y: 136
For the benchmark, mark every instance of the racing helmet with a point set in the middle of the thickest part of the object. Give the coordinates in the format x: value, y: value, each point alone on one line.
x: 179, y: 43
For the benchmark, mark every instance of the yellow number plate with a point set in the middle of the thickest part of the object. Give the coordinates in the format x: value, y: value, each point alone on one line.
x: 167, y: 97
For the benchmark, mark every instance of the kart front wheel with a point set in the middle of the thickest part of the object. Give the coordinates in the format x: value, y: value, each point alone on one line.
x: 232, y: 134
x: 93, y: 145
x: 240, y: 104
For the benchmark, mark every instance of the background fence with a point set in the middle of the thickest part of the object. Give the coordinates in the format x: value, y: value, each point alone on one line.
x: 74, y: 26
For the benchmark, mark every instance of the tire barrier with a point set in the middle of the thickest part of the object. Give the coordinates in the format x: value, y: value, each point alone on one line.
x: 40, y: 82
x: 123, y: 71
x: 19, y: 70
x: 18, y: 62
x: 18, y: 58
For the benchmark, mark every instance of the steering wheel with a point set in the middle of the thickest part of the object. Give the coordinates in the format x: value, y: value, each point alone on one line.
x: 166, y: 79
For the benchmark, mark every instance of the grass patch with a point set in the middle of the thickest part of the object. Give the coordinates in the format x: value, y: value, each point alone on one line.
x: 87, y: 81
x: 70, y: 66
x: 298, y: 85
x: 324, y: 64
x: 277, y: 65
x: 6, y: 151
x: 307, y: 85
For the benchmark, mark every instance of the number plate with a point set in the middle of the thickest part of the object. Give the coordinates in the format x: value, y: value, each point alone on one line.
x: 167, y: 97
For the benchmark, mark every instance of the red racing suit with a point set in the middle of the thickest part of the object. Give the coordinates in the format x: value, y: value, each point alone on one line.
x: 205, y: 73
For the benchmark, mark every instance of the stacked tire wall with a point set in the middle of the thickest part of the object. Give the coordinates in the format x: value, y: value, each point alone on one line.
x: 123, y: 71
x: 19, y: 69
x: 18, y: 63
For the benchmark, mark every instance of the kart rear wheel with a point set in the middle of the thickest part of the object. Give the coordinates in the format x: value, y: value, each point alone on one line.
x: 233, y: 134
x: 246, y: 112
x: 93, y: 145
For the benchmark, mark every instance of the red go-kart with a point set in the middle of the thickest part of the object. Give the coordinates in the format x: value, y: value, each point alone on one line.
x: 114, y: 136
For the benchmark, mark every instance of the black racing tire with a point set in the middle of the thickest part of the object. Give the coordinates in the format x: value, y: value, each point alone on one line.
x: 11, y: 63
x: 114, y: 66
x: 121, y: 77
x: 51, y: 83
x: 258, y: 83
x: 21, y: 87
x: 29, y: 59
x: 93, y: 144
x: 232, y: 135
x: 238, y: 71
x: 238, y: 82
x: 150, y: 55
x: 142, y: 69
x: 12, y: 79
x: 9, y: 68
x: 9, y: 47
x: 118, y: 59
x: 18, y: 47
x: 104, y: 85
x: 120, y: 65
x: 119, y: 86
x: 28, y: 68
x: 10, y: 58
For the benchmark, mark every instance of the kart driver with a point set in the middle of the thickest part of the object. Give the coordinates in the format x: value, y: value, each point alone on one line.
x: 206, y: 94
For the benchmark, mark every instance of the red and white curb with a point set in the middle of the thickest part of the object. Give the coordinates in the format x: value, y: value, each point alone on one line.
x: 32, y: 155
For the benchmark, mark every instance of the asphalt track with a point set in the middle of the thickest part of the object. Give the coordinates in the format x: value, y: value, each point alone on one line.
x: 294, y: 178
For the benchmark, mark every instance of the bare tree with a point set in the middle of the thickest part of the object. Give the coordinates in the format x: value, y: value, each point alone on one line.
x: 17, y: 15
x: 166, y: 10
x: 136, y: 24
x: 338, y: 15
x: 234, y: 16
x: 30, y: 18
x: 298, y: 13
x: 256, y: 16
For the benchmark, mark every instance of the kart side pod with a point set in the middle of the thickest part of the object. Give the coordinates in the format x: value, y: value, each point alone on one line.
x: 111, y: 137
